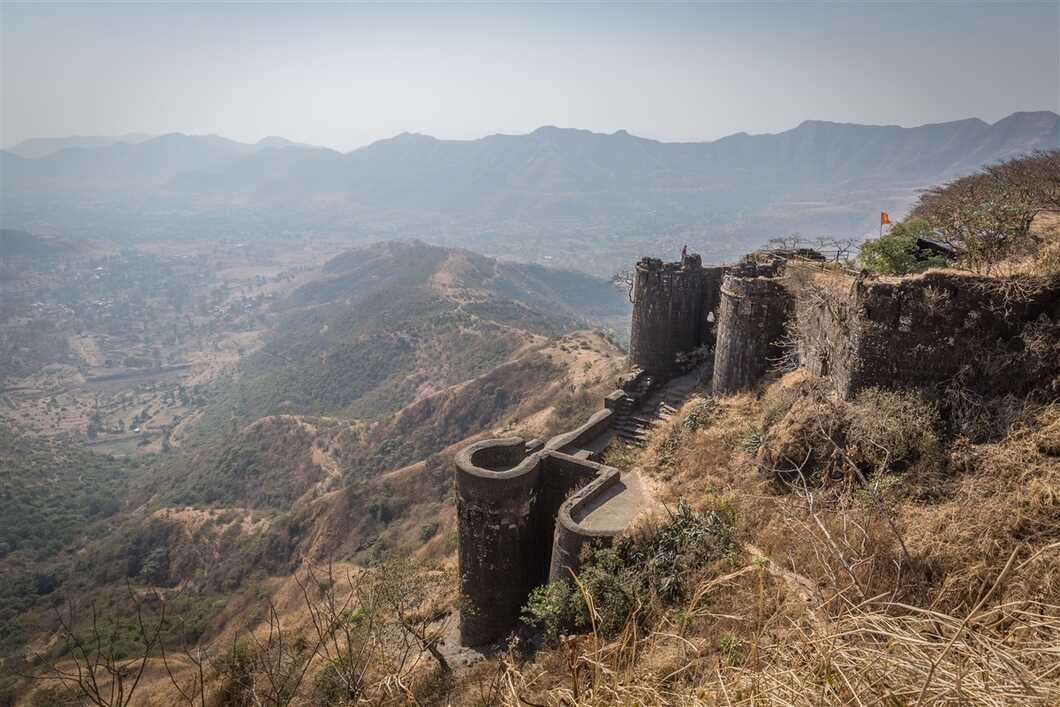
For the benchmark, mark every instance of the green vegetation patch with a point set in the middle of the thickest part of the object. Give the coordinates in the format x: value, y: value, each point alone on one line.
x: 898, y: 252
x: 657, y: 567
x: 50, y: 490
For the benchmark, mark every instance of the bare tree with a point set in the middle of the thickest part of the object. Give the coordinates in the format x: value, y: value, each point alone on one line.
x: 410, y: 595
x: 370, y: 632
x: 838, y: 249
x: 192, y: 689
x: 625, y: 279
x: 987, y: 216
x: 96, y: 670
x: 791, y: 242
x: 343, y: 627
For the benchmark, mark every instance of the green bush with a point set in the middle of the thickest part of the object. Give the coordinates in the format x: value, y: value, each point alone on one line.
x: 428, y: 531
x: 897, y: 253
x: 657, y: 566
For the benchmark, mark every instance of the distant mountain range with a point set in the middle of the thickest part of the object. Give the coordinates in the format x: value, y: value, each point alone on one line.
x: 588, y: 199
x: 41, y: 146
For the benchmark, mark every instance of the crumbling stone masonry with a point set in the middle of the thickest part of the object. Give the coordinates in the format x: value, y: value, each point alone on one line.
x: 752, y: 318
x: 861, y: 331
x: 523, y: 513
x: 674, y: 308
x: 909, y: 332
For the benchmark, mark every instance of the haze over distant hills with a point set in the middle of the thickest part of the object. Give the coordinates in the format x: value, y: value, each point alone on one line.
x: 588, y: 200
x: 41, y: 146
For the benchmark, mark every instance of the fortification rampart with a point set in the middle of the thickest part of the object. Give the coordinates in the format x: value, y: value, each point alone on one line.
x: 674, y: 308
x: 752, y: 316
x: 521, y: 509
x: 527, y: 510
x: 910, y: 332
x: 859, y: 331
x: 499, y: 549
x: 571, y: 536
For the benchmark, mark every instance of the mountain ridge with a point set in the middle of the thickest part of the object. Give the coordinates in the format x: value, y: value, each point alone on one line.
x: 102, y: 141
x: 553, y: 192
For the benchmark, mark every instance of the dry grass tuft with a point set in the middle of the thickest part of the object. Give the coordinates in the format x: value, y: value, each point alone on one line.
x: 1006, y: 654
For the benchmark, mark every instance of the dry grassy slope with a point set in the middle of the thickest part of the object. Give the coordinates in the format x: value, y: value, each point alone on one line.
x: 941, y: 576
x: 342, y: 523
x: 498, y: 367
x: 303, y: 464
x: 483, y: 349
x: 393, y: 323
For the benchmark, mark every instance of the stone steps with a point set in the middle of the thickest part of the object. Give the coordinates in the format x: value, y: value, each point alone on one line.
x: 634, y: 422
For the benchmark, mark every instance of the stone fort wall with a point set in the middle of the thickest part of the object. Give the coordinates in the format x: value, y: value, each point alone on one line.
x: 674, y: 310
x: 909, y: 332
x: 521, y: 504
x: 519, y: 524
x: 752, y: 318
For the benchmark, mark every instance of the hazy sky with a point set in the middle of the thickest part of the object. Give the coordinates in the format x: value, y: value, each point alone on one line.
x: 343, y: 75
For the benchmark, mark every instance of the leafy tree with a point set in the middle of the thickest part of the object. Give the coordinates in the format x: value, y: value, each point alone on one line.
x: 897, y: 252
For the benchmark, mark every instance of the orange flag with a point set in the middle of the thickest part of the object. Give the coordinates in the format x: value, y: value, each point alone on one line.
x: 885, y: 220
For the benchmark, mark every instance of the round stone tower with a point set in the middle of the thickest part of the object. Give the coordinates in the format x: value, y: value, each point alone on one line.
x: 501, y: 557
x: 668, y: 314
x: 752, y: 316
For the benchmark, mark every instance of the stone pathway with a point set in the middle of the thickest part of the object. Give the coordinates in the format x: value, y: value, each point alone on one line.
x: 616, y: 509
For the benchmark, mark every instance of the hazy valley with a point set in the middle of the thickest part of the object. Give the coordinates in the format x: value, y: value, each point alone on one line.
x: 261, y: 406
x: 234, y: 380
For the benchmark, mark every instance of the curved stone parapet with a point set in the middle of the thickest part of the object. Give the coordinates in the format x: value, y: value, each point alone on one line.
x: 752, y: 318
x: 593, y: 517
x: 499, y: 551
x: 525, y: 512
x: 583, y: 435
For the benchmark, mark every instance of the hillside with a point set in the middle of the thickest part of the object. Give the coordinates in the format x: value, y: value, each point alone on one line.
x: 217, y: 527
x: 391, y: 323
x: 803, y: 540
x: 327, y: 442
x: 588, y: 200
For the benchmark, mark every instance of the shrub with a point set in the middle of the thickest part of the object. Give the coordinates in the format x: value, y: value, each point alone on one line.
x: 890, y: 430
x: 235, y: 671
x: 654, y: 567
x: 897, y: 252
x: 811, y: 432
x: 986, y: 217
x: 700, y: 414
x: 428, y: 531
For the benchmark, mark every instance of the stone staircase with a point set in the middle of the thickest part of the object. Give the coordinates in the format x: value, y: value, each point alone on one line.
x: 657, y: 402
x: 627, y: 425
